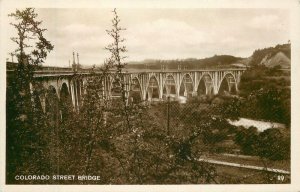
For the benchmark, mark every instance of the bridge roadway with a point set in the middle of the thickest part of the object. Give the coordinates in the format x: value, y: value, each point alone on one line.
x: 67, y: 84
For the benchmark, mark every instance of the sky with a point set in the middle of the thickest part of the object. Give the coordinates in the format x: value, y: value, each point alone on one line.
x: 161, y: 33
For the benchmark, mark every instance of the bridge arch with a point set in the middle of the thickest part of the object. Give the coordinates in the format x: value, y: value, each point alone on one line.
x: 205, y: 86
x: 52, y: 106
x: 62, y: 81
x: 170, y: 76
x: 186, y: 75
x: 53, y: 86
x: 228, y: 84
x: 186, y: 85
x: 115, y: 87
x: 135, y: 92
x: 169, y: 85
x: 64, y: 89
x: 152, y: 76
x: 152, y: 88
x: 65, y: 102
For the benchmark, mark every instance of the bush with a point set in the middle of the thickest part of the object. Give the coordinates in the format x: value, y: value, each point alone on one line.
x: 274, y: 144
x: 247, y: 139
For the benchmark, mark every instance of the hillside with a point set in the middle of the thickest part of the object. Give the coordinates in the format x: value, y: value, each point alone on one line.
x: 278, y: 59
x: 215, y: 61
x: 272, y: 56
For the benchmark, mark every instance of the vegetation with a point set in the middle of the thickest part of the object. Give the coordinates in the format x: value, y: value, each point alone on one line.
x: 267, y: 94
x: 273, y: 144
x: 22, y: 121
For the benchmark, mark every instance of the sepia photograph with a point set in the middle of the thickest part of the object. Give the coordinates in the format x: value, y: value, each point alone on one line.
x: 148, y: 95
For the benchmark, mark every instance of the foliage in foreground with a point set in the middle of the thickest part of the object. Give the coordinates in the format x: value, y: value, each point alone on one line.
x: 273, y: 144
x: 267, y: 94
x: 23, y: 141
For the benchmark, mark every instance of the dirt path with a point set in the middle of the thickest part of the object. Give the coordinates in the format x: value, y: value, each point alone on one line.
x: 280, y: 171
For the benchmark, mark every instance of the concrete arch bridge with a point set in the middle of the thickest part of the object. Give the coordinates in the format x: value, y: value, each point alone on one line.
x: 56, y: 87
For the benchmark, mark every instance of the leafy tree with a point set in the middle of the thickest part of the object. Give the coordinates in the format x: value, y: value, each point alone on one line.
x: 266, y: 95
x: 274, y: 144
x: 247, y: 139
x: 230, y: 108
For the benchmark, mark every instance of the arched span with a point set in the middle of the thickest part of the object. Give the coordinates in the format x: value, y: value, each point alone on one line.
x: 186, y: 75
x: 136, y: 81
x: 64, y: 89
x: 228, y: 74
x: 115, y: 87
x: 52, y: 106
x: 66, y: 105
x: 152, y: 88
x: 52, y: 86
x: 169, y: 86
x: 205, y: 74
x: 205, y: 86
x: 151, y: 77
x: 135, y: 93
x: 186, y: 86
x: 228, y: 84
x: 168, y: 77
x: 51, y: 90
x: 63, y: 81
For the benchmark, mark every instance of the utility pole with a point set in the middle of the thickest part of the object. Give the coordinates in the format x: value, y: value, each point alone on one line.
x: 12, y: 57
x: 77, y: 59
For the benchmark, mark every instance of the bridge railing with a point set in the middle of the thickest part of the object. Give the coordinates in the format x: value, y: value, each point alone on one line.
x: 51, y: 70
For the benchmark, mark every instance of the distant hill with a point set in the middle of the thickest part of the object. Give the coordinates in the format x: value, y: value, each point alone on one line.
x: 272, y: 56
x: 217, y: 61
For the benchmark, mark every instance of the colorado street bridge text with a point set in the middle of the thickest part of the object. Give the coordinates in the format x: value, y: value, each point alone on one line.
x: 58, y: 177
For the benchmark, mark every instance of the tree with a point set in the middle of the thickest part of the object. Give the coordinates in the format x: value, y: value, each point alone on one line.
x: 32, y: 49
x: 274, y: 144
x: 247, y: 139
x: 266, y: 95
x: 116, y: 49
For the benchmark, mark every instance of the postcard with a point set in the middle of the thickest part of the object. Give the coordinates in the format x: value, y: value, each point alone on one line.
x: 150, y: 96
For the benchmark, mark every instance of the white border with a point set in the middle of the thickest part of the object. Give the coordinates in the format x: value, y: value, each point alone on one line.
x: 292, y: 5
